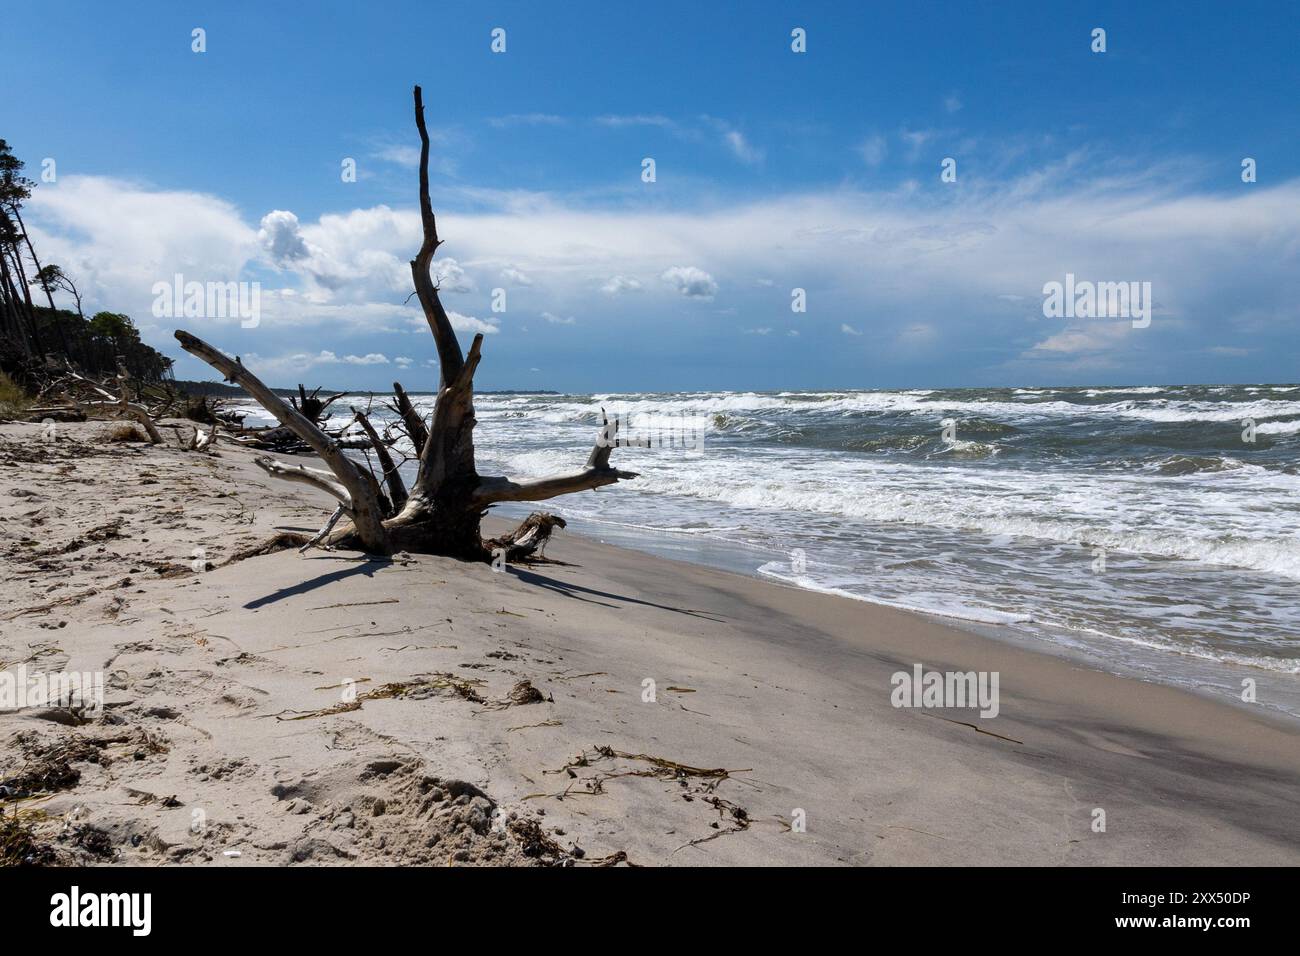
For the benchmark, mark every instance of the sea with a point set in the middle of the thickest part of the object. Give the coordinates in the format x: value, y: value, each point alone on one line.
x: 1151, y: 531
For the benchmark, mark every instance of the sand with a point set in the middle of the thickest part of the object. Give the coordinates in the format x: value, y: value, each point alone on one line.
x: 332, y: 709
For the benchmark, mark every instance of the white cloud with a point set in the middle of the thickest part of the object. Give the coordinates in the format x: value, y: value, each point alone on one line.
x: 691, y: 282
x: 403, y: 361
x: 527, y: 119
x: 516, y: 277
x: 617, y: 285
x: 557, y: 320
x: 281, y: 236
x: 951, y: 103
x: 117, y: 238
x: 371, y: 358
x: 448, y: 276
x: 408, y: 156
x: 1098, y: 336
x: 468, y: 323
x: 848, y: 329
x: 742, y: 148
x: 765, y: 330
x: 640, y: 119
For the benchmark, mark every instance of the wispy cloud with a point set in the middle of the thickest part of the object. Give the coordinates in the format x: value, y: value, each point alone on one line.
x: 873, y: 150
x: 527, y: 119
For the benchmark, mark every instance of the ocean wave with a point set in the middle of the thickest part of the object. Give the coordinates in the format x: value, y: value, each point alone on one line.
x: 989, y: 513
x: 1196, y: 464
x: 852, y: 403
x: 950, y: 608
x: 1278, y: 428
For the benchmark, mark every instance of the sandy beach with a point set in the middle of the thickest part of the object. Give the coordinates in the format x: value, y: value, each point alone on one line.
x: 327, y: 708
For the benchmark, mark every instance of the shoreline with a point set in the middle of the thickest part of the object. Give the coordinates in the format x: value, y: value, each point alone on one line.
x: 1201, y: 676
x: 224, y: 696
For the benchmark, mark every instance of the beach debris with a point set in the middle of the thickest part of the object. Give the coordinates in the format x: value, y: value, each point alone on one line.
x: 528, y: 541
x: 974, y: 727
x: 659, y: 767
x: 737, y: 817
x: 19, y: 845
x: 544, y: 723
x: 697, y: 783
x: 525, y: 693
x: 419, y: 689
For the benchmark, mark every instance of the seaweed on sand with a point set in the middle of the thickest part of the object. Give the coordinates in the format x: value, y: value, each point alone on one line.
x: 415, y: 689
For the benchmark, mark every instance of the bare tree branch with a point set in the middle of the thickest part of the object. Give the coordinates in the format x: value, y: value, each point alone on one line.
x: 450, y: 358
x: 415, y: 429
x: 392, y: 477
x: 305, y: 476
x: 363, y: 500
x: 494, y: 490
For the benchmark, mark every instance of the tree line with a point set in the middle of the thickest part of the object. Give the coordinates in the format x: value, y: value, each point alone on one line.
x: 37, y: 334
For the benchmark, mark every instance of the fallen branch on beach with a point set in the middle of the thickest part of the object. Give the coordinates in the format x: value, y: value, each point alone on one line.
x: 441, y: 511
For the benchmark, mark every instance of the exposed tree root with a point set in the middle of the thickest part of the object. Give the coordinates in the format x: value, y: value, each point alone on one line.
x: 529, y: 539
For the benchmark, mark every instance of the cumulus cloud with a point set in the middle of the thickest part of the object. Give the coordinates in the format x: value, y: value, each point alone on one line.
x: 281, y: 236
x: 691, y: 282
x: 468, y: 323
x: 617, y: 285
x: 515, y: 277
x: 117, y: 239
x: 448, y: 276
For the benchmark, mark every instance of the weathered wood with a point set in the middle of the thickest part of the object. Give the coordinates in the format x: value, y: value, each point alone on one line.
x: 364, y: 503
x: 314, y: 477
x: 415, y: 429
x: 392, y: 477
x: 450, y: 359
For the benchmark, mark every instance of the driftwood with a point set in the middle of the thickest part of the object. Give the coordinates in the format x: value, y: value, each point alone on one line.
x: 106, y: 401
x: 529, y: 540
x: 441, y: 511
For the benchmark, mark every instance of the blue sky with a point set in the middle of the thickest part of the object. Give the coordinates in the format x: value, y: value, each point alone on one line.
x: 774, y: 171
